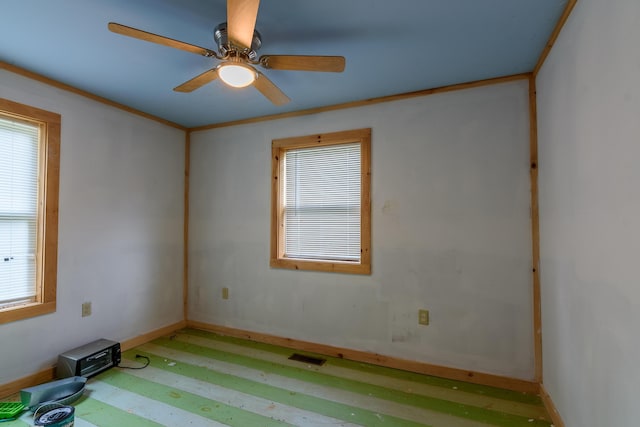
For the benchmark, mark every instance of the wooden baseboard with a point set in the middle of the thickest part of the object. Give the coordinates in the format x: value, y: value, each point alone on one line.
x: 14, y: 387
x: 376, y: 359
x: 49, y: 374
x: 142, y: 339
x: 551, y: 407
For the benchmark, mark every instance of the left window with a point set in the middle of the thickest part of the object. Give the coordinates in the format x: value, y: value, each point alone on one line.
x: 29, y: 182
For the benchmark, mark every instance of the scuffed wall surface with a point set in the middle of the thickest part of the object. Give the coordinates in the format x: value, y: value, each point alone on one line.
x: 450, y: 233
x: 120, y: 229
x: 589, y: 133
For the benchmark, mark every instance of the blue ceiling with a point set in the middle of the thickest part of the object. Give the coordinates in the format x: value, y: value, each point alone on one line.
x: 391, y: 47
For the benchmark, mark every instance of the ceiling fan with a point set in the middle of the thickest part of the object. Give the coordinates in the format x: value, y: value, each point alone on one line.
x: 238, y: 41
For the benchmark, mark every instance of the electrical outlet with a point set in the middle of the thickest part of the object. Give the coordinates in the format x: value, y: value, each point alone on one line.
x: 86, y: 309
x: 423, y: 317
x: 225, y: 293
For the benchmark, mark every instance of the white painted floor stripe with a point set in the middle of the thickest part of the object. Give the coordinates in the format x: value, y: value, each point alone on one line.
x: 79, y: 422
x: 376, y: 405
x: 472, y: 399
x: 144, y: 407
x: 237, y: 399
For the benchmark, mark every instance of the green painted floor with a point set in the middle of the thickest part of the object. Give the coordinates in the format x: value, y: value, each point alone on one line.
x: 197, y: 378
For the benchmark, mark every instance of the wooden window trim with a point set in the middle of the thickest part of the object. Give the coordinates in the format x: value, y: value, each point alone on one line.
x: 278, y: 147
x: 47, y: 234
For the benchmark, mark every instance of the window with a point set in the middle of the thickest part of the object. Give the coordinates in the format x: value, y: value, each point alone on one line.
x: 29, y: 169
x: 320, y: 202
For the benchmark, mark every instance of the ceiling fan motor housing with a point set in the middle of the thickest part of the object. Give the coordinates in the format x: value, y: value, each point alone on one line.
x: 226, y: 48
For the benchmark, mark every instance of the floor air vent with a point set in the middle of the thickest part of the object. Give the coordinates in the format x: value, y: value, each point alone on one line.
x: 307, y: 359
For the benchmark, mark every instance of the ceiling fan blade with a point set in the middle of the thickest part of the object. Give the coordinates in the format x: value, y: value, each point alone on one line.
x: 198, y: 81
x: 241, y: 21
x: 154, y: 38
x: 333, y: 64
x: 270, y: 90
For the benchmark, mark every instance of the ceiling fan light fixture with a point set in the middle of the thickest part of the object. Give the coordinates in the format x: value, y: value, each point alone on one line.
x: 236, y: 74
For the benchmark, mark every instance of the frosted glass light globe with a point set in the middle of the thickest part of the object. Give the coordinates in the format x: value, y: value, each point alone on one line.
x: 237, y: 75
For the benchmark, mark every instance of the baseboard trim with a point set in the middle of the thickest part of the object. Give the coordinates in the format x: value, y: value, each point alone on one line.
x: 150, y: 336
x: 556, y: 419
x: 376, y: 359
x: 49, y: 374
x: 40, y: 377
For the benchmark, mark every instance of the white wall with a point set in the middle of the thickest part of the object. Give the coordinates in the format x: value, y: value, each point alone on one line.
x: 589, y: 136
x: 120, y: 229
x: 451, y: 233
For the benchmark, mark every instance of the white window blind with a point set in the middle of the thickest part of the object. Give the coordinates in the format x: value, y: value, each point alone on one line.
x: 322, y: 202
x: 19, y: 143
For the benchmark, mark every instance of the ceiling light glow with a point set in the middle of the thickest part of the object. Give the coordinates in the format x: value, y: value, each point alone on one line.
x: 237, y: 75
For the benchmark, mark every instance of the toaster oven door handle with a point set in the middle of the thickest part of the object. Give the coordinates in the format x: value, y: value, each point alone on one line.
x: 97, y: 356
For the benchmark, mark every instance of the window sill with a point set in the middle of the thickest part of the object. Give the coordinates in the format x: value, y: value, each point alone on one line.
x: 20, y: 312
x: 327, y: 266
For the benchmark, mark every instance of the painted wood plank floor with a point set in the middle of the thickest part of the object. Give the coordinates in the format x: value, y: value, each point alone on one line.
x: 197, y: 378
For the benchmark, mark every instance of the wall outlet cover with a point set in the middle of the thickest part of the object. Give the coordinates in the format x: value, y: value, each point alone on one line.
x: 86, y: 309
x: 423, y: 317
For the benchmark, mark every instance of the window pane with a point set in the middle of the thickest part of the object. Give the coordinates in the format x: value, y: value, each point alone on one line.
x: 322, y: 202
x: 18, y: 167
x: 18, y: 209
x: 17, y: 260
